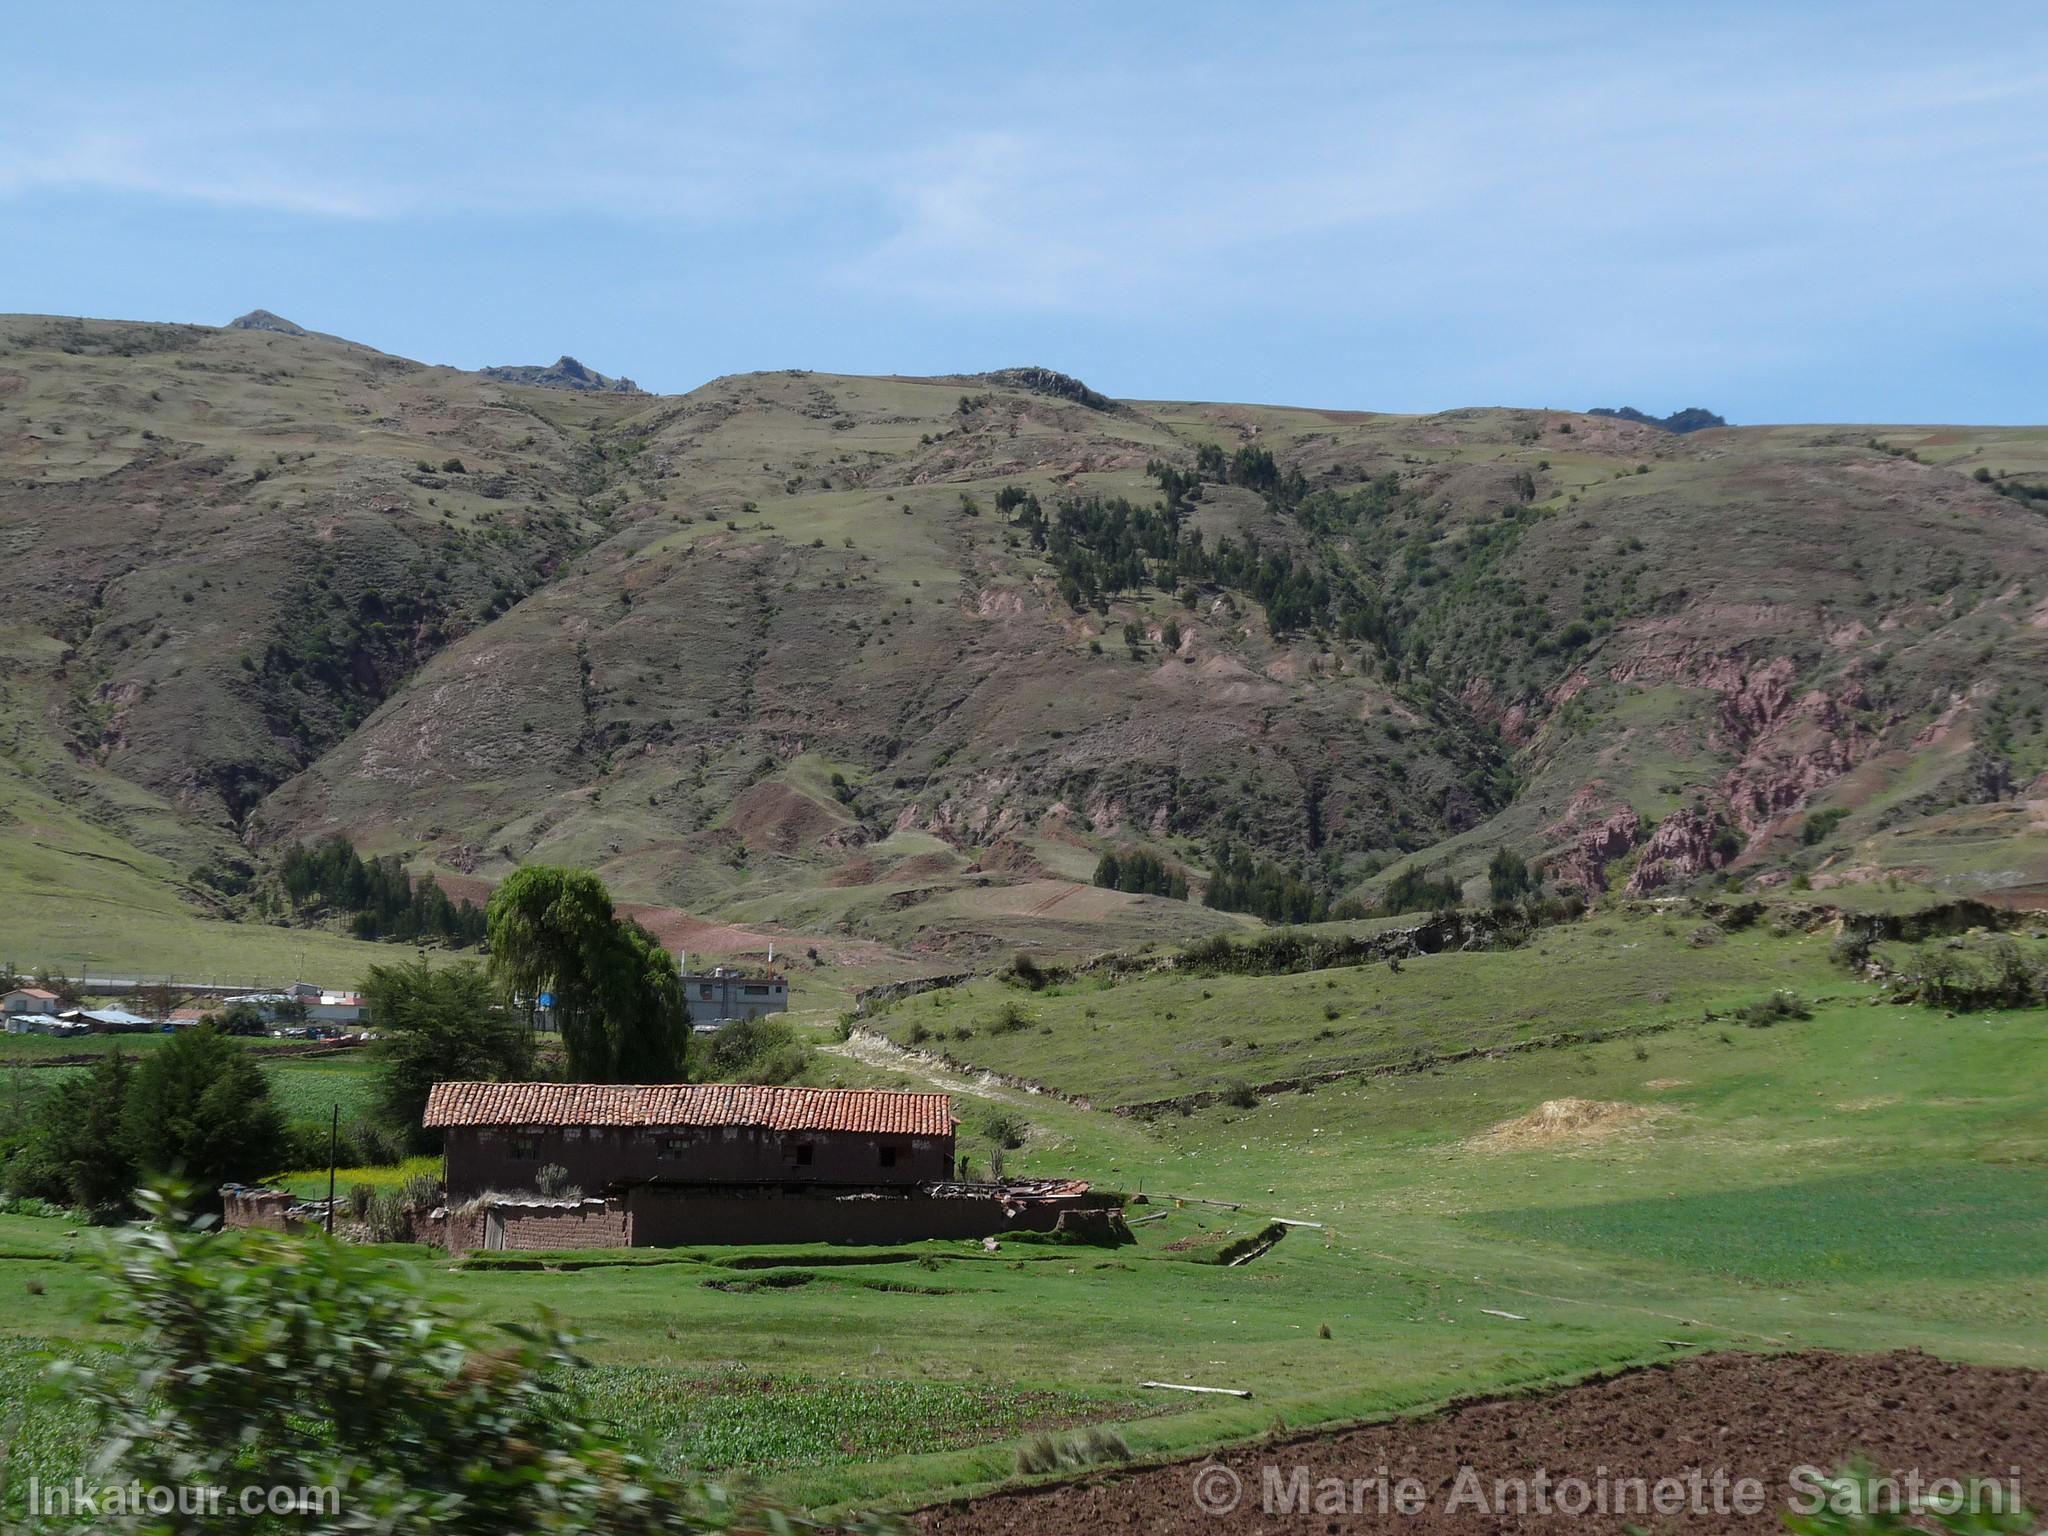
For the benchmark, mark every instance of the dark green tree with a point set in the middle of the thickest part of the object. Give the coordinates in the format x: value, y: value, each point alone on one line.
x: 439, y: 1026
x: 617, y: 994
x: 239, y: 1019
x: 74, y: 1152
x: 1507, y: 876
x: 200, y: 1107
x: 1142, y: 873
x: 1413, y: 891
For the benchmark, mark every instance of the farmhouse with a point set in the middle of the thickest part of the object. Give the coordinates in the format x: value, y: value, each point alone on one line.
x: 500, y: 1135
x: 665, y: 1164
x: 25, y: 1002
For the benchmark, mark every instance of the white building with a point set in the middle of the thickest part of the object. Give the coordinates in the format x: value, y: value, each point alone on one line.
x: 29, y: 1000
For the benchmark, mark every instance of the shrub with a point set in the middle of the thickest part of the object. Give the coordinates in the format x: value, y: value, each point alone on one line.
x: 259, y: 1360
x: 1093, y: 1446
x: 1026, y: 973
x: 1507, y: 876
x: 360, y: 1198
x: 553, y: 1181
x: 388, y: 1219
x: 764, y: 1050
x: 1851, y: 950
x: 29, y: 1205
x: 1240, y: 1095
x: 1010, y: 1019
x: 1005, y: 1128
x: 73, y: 1152
x: 1774, y: 1009
x: 1817, y: 827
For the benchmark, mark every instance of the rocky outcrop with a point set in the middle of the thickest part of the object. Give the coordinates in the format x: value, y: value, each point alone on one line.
x: 1484, y: 701
x: 1595, y: 830
x: 1793, y: 748
x: 264, y: 320
x: 564, y: 373
x: 1686, y: 845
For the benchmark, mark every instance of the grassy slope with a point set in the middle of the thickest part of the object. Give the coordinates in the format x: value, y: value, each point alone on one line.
x: 1157, y: 1037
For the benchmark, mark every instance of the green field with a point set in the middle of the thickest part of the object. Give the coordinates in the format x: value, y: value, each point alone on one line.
x: 1866, y: 1178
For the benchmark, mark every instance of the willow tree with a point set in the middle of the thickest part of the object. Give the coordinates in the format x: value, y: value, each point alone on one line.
x: 617, y: 994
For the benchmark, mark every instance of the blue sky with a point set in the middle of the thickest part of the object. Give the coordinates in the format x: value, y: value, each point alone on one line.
x: 1786, y: 212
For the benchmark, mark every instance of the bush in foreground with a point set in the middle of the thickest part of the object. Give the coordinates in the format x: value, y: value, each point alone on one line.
x: 262, y: 1361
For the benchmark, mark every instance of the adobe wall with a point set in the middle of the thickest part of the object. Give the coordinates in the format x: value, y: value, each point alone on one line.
x: 480, y: 1158
x: 243, y: 1207
x: 597, y: 1224
x: 663, y: 1218
x: 654, y: 1217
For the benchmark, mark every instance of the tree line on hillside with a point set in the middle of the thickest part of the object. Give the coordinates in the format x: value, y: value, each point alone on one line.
x: 1373, y: 567
x: 380, y: 900
x: 1265, y: 889
x: 1270, y: 890
x: 1142, y: 873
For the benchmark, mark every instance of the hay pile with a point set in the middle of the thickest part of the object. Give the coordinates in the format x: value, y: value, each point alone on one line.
x: 1559, y: 1121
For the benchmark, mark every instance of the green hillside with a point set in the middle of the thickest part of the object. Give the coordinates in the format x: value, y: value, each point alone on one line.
x: 896, y: 660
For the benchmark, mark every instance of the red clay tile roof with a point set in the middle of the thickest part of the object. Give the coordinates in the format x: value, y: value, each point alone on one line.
x: 38, y: 992
x: 874, y: 1111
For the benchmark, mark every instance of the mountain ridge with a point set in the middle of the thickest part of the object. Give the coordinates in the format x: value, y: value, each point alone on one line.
x: 875, y: 658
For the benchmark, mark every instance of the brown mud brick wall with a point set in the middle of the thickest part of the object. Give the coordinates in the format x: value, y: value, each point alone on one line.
x: 483, y: 1158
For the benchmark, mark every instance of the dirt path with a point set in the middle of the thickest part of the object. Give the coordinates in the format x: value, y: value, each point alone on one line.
x: 875, y: 1051
x: 1709, y: 1423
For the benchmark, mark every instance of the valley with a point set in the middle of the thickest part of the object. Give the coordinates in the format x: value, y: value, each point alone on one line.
x: 1608, y: 827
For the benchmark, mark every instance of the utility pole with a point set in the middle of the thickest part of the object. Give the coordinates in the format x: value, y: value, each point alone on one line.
x: 333, y: 1147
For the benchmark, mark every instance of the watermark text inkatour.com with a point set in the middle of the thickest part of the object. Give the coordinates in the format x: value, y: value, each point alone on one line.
x: 80, y: 1499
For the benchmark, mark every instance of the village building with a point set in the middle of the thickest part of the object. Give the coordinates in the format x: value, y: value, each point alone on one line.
x: 304, y: 1003
x: 722, y: 995
x: 29, y: 1002
x: 499, y: 1135
x: 110, y: 1021
x: 666, y: 1164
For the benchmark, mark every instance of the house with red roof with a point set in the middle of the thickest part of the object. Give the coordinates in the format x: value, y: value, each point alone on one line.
x: 29, y: 1010
x: 657, y: 1165
x: 609, y: 1136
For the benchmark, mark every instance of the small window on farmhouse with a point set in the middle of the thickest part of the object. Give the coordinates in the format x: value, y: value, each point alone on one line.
x: 800, y: 1154
x: 526, y: 1147
x: 888, y: 1156
x: 754, y: 991
x: 673, y: 1146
